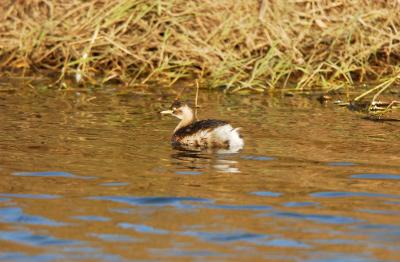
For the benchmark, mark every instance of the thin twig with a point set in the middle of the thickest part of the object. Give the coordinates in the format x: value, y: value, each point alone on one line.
x: 196, y: 105
x: 382, y: 86
x: 197, y: 93
x: 381, y: 91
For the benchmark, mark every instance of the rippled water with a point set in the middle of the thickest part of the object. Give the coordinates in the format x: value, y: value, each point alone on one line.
x: 90, y: 175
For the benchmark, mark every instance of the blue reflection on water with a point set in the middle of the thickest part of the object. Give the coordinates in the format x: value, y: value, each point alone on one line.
x: 30, y: 196
x: 114, y: 237
x: 258, y: 158
x: 49, y: 174
x: 258, y: 239
x: 92, y: 218
x: 341, y: 164
x: 223, y: 236
x: 241, y: 207
x: 114, y: 184
x: 90, y: 254
x: 79, y: 249
x: 377, y: 176
x: 152, y: 201
x: 351, y: 194
x: 267, y: 194
x: 21, y: 257
x: 143, y: 228
x: 16, y: 215
x: 28, y: 238
x: 382, y: 212
x: 337, y: 241
x: 326, y: 219
x: 122, y: 210
x: 282, y: 242
x: 187, y: 172
x: 338, y: 257
x: 299, y: 204
x: 186, y: 253
x: 383, y: 228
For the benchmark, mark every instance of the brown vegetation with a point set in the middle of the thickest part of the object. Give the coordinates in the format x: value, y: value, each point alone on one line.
x: 236, y: 44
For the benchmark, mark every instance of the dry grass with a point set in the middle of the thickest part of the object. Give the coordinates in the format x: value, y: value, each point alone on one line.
x: 235, y: 44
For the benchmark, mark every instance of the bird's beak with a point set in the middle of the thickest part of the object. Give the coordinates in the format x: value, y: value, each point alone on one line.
x: 167, y: 112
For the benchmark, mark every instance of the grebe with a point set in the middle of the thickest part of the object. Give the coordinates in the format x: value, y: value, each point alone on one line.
x: 208, y: 133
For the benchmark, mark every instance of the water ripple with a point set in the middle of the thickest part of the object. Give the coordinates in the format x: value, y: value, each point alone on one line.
x: 377, y: 176
x: 30, y: 196
x: 351, y: 194
x: 152, y: 201
x: 267, y: 193
x: 50, y: 174
x: 21, y: 257
x: 16, y: 215
x: 258, y: 158
x: 114, y: 237
x: 381, y: 212
x: 282, y: 242
x: 27, y: 238
x: 188, y: 173
x: 339, y: 257
x: 258, y: 239
x: 299, y: 204
x: 341, y: 164
x: 92, y: 218
x: 122, y: 210
x: 143, y: 228
x: 325, y: 219
x: 90, y: 254
x: 241, y: 207
x: 184, y: 253
x: 114, y: 184
x: 223, y: 236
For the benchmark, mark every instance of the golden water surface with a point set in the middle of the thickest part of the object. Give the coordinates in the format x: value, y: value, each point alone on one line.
x: 89, y: 175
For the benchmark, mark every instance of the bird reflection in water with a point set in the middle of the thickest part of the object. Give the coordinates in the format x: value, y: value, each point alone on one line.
x: 196, y: 161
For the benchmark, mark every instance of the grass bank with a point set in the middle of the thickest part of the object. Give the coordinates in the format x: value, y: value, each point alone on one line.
x: 234, y: 44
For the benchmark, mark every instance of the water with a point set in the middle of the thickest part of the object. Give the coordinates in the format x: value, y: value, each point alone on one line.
x: 90, y: 175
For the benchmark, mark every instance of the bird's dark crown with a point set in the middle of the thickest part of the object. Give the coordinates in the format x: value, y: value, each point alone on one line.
x: 177, y: 104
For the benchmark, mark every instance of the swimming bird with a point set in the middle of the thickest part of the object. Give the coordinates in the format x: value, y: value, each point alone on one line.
x: 210, y: 133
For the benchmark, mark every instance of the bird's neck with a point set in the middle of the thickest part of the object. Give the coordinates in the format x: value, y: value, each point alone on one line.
x: 186, y: 120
